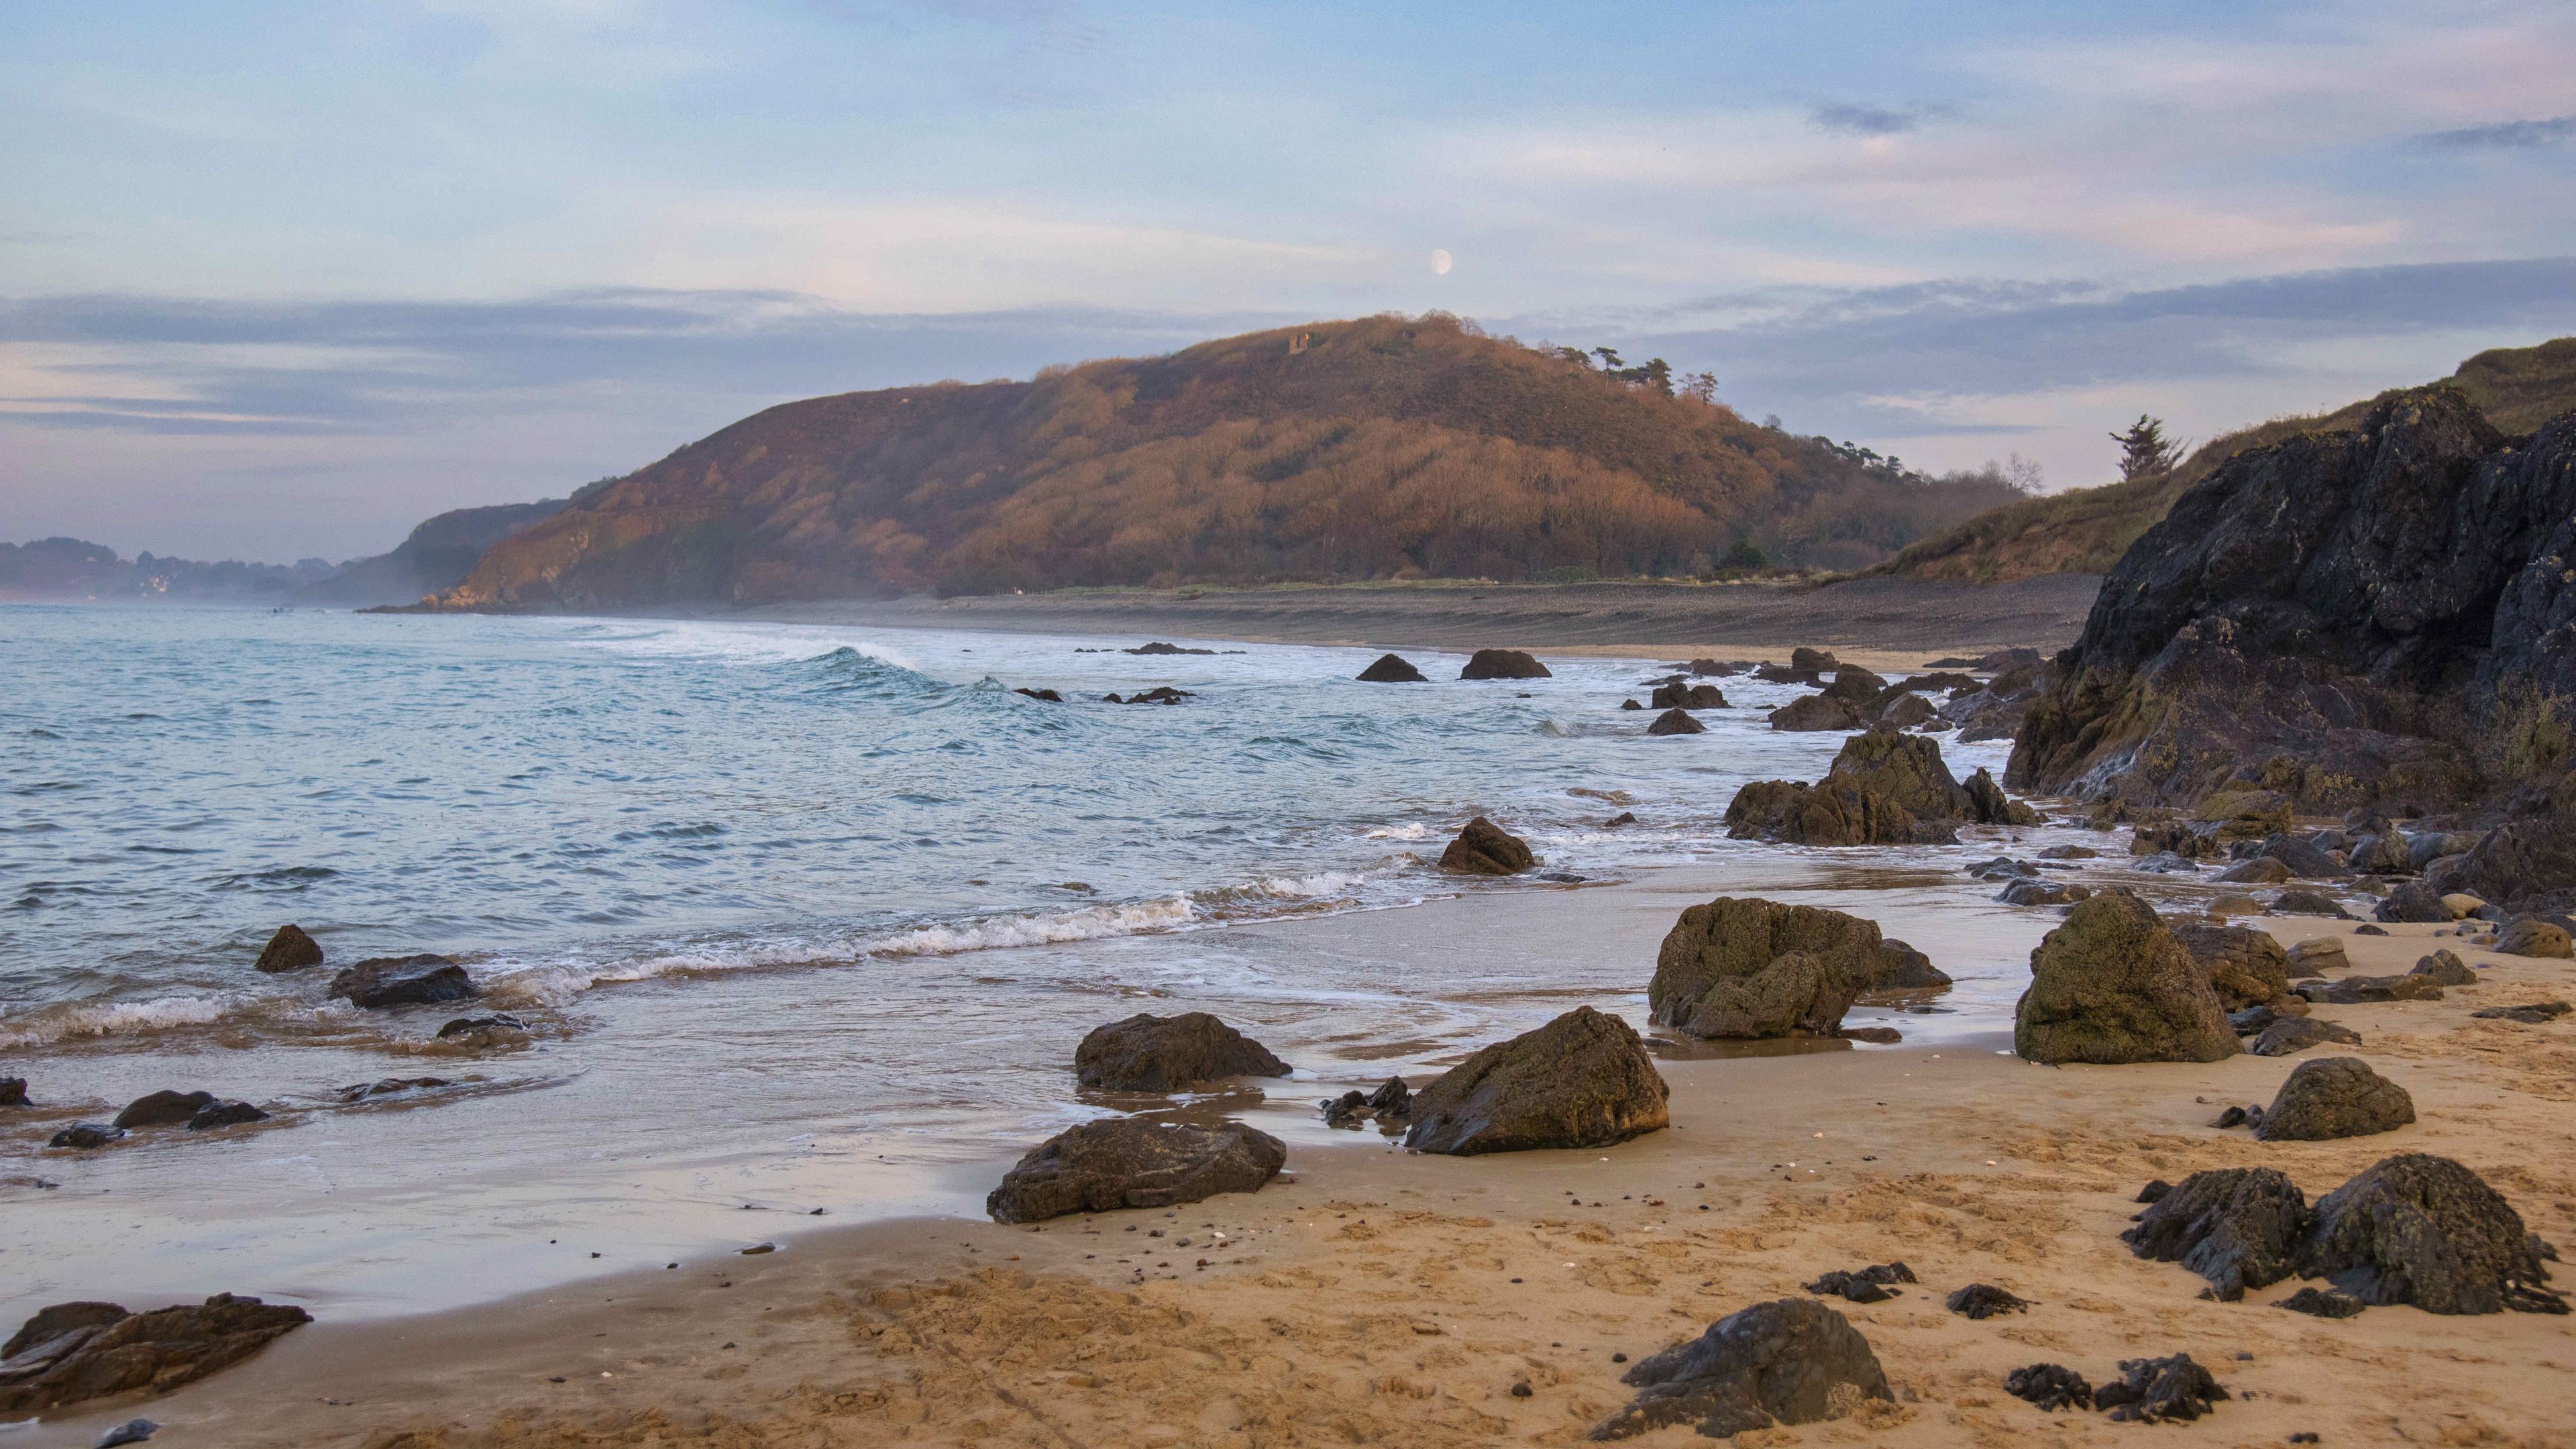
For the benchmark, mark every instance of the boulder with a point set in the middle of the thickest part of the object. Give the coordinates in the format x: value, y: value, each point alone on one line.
x: 2412, y: 901
x: 225, y: 1114
x: 389, y: 981
x: 1688, y: 696
x: 85, y: 1136
x: 2244, y: 966
x: 2172, y: 837
x: 2238, y: 1227
x: 1630, y: 704
x: 2285, y: 1035
x: 98, y: 1355
x: 1817, y: 712
x: 1905, y: 712
x: 1391, y: 1104
x: 483, y: 1033
x: 1502, y: 664
x: 1830, y: 812
x: 2424, y: 1230
x: 2029, y: 892
x: 2381, y: 854
x: 2260, y: 870
x: 289, y: 950
x: 2308, y: 903
x: 2165, y: 862
x: 13, y: 1091
x: 1043, y: 696
x: 1129, y: 1162
x: 1169, y: 1054
x: 2050, y: 1387
x: 1980, y: 1301
x: 1790, y: 1361
x: 2113, y: 985
x: 1902, y: 968
x: 1393, y: 669
x: 1676, y: 722
x: 163, y: 1109
x: 2355, y: 990
x: 1855, y: 686
x: 1905, y: 768
x: 1742, y: 966
x: 2445, y: 968
x: 1988, y: 805
x: 2066, y: 852
x: 2334, y: 1097
x: 2525, y: 936
x: 1812, y: 661
x: 1582, y: 1080
x: 2425, y: 847
x: 1484, y: 848
x: 2305, y: 859
x: 2318, y: 955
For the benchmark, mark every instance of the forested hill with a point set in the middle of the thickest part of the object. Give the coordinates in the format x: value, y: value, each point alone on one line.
x: 1385, y: 447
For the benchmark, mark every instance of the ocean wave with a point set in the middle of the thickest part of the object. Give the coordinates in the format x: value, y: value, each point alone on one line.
x: 70, y: 1022
x: 749, y: 644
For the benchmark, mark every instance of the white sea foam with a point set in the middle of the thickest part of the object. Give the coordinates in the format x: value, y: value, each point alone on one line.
x: 1090, y: 923
x: 740, y: 643
x: 1415, y: 831
x: 112, y: 1018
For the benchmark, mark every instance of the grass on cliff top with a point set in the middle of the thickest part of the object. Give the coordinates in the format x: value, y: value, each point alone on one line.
x: 2085, y: 530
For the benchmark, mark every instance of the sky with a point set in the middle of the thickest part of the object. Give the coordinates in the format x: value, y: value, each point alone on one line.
x: 279, y: 281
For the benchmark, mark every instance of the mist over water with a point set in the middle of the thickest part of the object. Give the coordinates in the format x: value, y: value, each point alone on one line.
x: 797, y: 916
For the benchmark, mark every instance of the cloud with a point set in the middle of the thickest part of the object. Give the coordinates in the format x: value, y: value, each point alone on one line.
x: 1861, y: 119
x: 2507, y: 135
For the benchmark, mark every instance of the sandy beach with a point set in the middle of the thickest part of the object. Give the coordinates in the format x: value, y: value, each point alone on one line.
x: 1372, y: 1296
x: 1884, y: 619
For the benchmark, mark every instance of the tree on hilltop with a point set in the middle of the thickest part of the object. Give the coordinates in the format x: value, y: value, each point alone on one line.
x: 2145, y: 449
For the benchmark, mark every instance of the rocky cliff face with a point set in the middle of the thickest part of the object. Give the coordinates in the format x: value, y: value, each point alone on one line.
x: 2374, y: 619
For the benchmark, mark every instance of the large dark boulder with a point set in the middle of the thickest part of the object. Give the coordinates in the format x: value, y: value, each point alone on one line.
x: 1830, y: 812
x: 1790, y: 1361
x: 1688, y: 696
x: 13, y: 1091
x: 1855, y: 686
x: 1989, y: 805
x: 2424, y: 1230
x: 2303, y: 859
x: 1484, y: 848
x: 2334, y: 1097
x: 2243, y: 965
x: 2412, y: 902
x: 289, y: 950
x: 1905, y: 768
x: 1817, y: 712
x: 1676, y: 721
x: 1502, y: 664
x: 2526, y: 936
x: 1582, y: 1080
x: 1129, y: 1162
x: 75, y: 1352
x: 1169, y: 1054
x: 2113, y: 985
x: 388, y: 981
x: 2238, y: 1227
x: 1746, y: 967
x: 163, y: 1108
x: 1902, y: 968
x: 1393, y: 669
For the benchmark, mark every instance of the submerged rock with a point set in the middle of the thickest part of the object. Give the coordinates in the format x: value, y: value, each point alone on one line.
x: 72, y: 1353
x: 2424, y: 1230
x: 1043, y: 696
x: 1676, y: 722
x: 1582, y: 1080
x: 225, y: 1114
x: 1129, y: 1162
x: 389, y: 981
x: 162, y: 1109
x: 1147, y: 1053
x: 1791, y: 1361
x: 289, y: 950
x: 13, y: 1091
x: 85, y: 1136
x: 2335, y: 1097
x: 483, y: 1033
x: 2238, y: 1227
x: 1393, y: 669
x: 1502, y: 664
x: 2113, y: 985
x: 1484, y: 848
x: 391, y: 1086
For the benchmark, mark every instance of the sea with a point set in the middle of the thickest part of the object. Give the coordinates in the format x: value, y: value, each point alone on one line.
x: 803, y: 922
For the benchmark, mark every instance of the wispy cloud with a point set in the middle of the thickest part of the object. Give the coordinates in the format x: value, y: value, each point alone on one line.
x: 2507, y: 135
x: 1859, y: 118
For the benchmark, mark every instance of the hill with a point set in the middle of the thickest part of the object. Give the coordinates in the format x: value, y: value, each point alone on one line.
x: 2085, y: 530
x: 71, y: 568
x: 437, y: 555
x: 1381, y: 448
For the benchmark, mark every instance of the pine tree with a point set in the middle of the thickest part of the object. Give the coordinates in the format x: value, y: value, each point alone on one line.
x: 2145, y: 449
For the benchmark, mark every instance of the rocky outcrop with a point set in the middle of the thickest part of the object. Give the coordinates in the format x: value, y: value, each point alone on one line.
x: 72, y: 1353
x: 2318, y: 955
x: 2238, y: 1227
x: 1484, y: 848
x: 1886, y: 787
x: 2113, y: 985
x: 1582, y: 1080
x: 1502, y: 664
x: 2424, y: 1230
x: 289, y: 950
x: 1129, y: 1162
x: 2335, y: 1097
x: 389, y: 981
x: 1816, y: 712
x: 1745, y: 967
x: 1393, y: 669
x: 1676, y: 722
x: 1996, y: 711
x: 1791, y: 1361
x: 2370, y: 620
x: 1148, y: 1053
x: 2243, y: 965
x: 1688, y: 696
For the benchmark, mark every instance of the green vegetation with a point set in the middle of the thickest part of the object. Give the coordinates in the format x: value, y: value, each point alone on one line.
x: 2085, y: 530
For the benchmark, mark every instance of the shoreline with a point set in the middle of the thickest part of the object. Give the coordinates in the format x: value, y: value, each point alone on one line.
x: 1376, y: 1293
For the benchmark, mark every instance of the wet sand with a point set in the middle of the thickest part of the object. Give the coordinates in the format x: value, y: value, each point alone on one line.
x: 1386, y: 1298
x: 1888, y: 618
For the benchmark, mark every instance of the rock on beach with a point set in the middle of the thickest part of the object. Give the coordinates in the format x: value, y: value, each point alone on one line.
x: 2113, y: 985
x: 1147, y: 1053
x: 1130, y: 1162
x: 1582, y: 1080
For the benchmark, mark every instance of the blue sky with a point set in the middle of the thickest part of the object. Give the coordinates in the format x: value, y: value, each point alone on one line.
x: 281, y: 280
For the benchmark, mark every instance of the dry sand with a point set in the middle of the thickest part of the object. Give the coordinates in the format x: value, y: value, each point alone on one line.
x: 1887, y: 617
x: 1382, y: 1298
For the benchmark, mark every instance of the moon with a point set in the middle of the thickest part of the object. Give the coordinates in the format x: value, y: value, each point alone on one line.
x: 1439, y: 263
